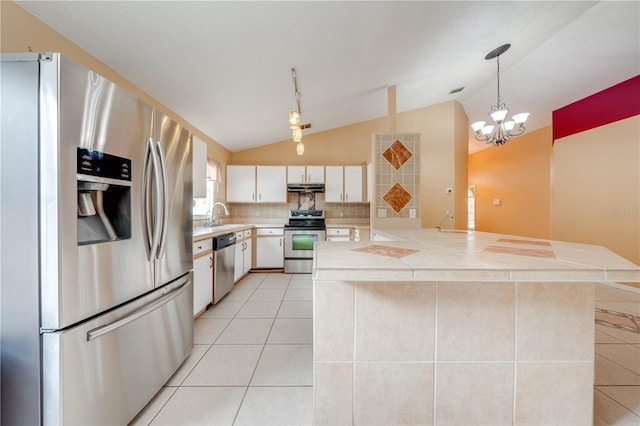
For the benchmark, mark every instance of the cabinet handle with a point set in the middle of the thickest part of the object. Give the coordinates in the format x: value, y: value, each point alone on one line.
x: 280, y: 242
x: 346, y: 197
x: 302, y: 177
x: 259, y: 196
x: 210, y: 261
x: 341, y: 196
x: 253, y: 196
x: 309, y: 178
x: 199, y: 247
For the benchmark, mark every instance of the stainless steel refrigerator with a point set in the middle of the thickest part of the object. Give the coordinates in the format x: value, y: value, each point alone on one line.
x: 96, y: 263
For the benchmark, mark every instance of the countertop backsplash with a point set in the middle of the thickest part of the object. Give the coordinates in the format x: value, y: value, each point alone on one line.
x: 281, y: 211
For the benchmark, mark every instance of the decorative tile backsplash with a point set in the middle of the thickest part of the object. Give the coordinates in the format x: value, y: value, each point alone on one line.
x: 281, y: 211
x: 397, y: 177
x: 397, y: 197
x: 397, y: 154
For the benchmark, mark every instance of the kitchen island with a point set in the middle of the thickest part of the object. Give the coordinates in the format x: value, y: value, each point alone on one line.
x: 457, y: 327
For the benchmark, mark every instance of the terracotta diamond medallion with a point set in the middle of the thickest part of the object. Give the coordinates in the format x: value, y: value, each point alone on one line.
x: 386, y: 250
x: 397, y: 154
x: 397, y: 197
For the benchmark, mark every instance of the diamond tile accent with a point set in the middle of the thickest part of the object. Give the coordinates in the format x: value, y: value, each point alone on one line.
x: 397, y: 197
x: 521, y: 251
x: 397, y: 154
x: 386, y: 251
x: 535, y: 243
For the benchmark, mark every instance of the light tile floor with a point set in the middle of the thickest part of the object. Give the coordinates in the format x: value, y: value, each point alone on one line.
x: 252, y: 362
x: 616, y: 392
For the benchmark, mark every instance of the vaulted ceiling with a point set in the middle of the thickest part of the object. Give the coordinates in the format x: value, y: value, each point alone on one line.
x: 225, y: 66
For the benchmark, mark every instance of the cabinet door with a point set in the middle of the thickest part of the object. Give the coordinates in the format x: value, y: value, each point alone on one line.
x: 271, y: 184
x: 315, y: 174
x: 295, y: 174
x: 352, y: 184
x: 247, y: 256
x: 238, y: 261
x: 202, y: 282
x: 241, y: 184
x: 199, y: 168
x: 333, y: 184
x: 269, y: 252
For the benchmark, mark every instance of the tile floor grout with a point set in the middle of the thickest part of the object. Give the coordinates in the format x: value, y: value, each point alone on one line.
x: 614, y: 404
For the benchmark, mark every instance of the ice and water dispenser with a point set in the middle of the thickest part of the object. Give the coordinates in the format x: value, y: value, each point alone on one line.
x: 104, y: 197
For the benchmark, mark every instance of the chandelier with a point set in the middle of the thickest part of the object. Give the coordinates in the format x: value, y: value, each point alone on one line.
x: 294, y: 117
x: 500, y: 131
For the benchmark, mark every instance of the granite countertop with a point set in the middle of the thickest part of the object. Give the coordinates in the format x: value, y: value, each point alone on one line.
x: 450, y: 255
x: 204, y: 232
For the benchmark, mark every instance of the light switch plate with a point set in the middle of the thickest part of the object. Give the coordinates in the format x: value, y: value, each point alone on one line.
x: 412, y: 213
x: 382, y: 212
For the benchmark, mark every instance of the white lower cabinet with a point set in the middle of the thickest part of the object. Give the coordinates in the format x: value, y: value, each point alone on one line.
x: 243, y: 256
x: 202, y: 282
x: 270, y: 248
x: 338, y: 234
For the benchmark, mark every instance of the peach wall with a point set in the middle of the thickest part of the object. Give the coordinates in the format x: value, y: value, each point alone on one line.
x: 22, y: 32
x: 596, y: 188
x: 443, y: 129
x: 517, y: 173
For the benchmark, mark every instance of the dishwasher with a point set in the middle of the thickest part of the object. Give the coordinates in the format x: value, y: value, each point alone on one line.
x: 223, y: 265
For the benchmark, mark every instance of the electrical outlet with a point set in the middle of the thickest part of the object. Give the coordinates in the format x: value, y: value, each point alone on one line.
x: 257, y: 213
x: 412, y: 213
x: 341, y: 213
x: 382, y: 212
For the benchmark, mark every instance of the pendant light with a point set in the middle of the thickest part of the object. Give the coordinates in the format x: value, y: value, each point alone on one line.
x: 500, y: 131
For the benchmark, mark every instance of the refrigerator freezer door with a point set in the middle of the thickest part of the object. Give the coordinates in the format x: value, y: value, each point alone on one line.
x: 79, y: 108
x: 115, y: 364
x: 174, y: 255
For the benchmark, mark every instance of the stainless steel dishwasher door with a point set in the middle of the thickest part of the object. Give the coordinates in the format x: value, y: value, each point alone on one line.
x: 224, y: 251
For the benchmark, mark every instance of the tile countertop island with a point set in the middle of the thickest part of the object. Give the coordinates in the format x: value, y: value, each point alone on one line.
x: 457, y: 327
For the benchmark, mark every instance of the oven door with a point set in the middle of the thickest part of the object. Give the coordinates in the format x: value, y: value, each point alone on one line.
x: 298, y: 243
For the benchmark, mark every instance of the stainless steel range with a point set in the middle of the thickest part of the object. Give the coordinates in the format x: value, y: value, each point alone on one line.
x: 305, y: 227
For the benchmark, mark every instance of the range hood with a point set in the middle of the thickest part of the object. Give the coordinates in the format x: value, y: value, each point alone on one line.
x: 305, y: 187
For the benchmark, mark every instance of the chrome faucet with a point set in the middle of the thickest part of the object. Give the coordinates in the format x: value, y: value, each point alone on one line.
x: 444, y: 218
x: 213, y: 217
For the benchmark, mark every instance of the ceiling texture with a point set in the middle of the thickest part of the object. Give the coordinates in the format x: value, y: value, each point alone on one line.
x: 225, y: 66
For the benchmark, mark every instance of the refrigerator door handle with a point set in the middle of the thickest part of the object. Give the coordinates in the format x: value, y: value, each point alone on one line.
x: 165, y: 201
x: 146, y: 205
x: 108, y: 328
x: 157, y: 222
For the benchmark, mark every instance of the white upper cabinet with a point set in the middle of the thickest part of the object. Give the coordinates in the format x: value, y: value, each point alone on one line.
x: 344, y: 184
x: 199, y: 168
x: 353, y: 184
x: 305, y: 174
x: 241, y: 184
x: 333, y: 187
x: 271, y: 184
x: 261, y: 184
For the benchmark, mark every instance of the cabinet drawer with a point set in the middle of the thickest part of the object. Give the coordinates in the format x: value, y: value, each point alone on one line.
x: 239, y: 235
x: 247, y: 233
x: 202, y: 246
x: 338, y: 231
x: 269, y: 231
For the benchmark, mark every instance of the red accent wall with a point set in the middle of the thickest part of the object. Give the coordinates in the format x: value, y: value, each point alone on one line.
x: 613, y: 104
